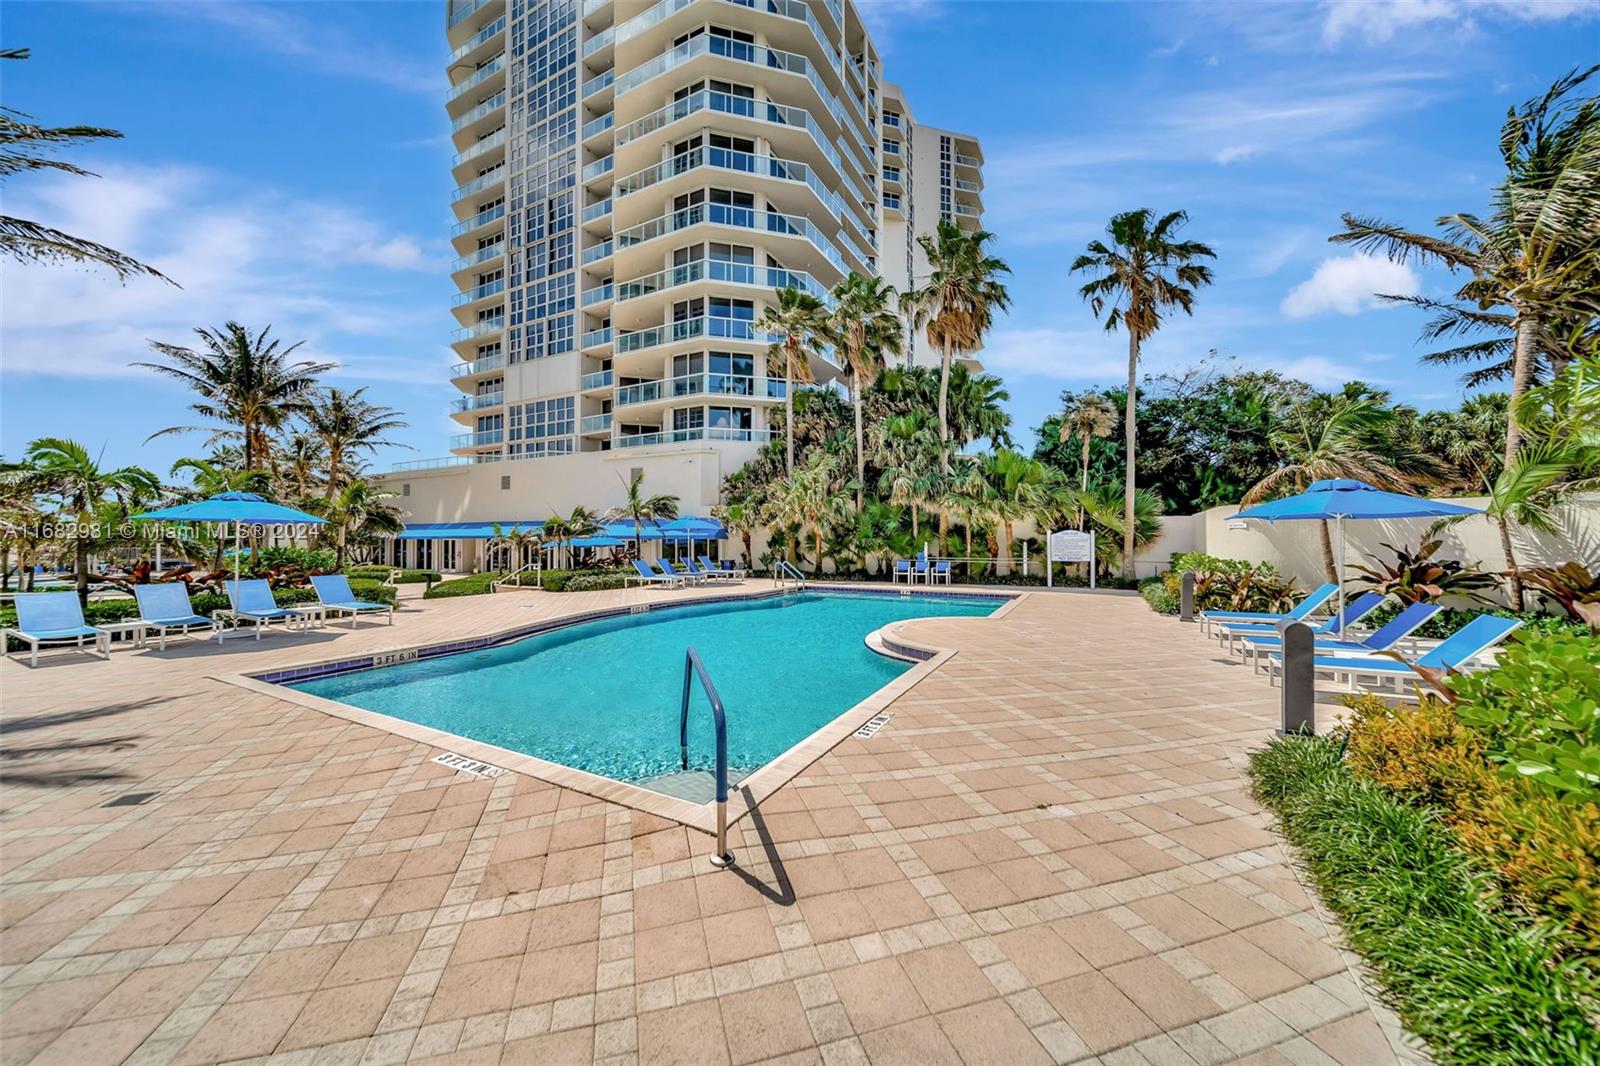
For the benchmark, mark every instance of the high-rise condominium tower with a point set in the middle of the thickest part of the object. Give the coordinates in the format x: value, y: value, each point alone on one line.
x: 634, y: 180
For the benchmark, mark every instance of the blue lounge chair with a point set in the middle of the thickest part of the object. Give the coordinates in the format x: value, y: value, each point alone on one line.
x: 53, y: 616
x: 940, y: 572
x: 647, y: 576
x: 1460, y: 647
x: 902, y: 569
x: 1382, y: 639
x: 731, y: 573
x: 920, y: 571
x: 1354, y: 611
x: 708, y: 573
x: 252, y: 602
x: 166, y: 607
x: 1314, y: 599
x: 333, y: 592
x: 671, y: 569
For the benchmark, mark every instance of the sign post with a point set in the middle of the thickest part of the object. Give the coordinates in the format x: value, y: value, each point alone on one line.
x: 1069, y: 546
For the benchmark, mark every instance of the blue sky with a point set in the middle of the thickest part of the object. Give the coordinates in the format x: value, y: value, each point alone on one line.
x: 288, y: 164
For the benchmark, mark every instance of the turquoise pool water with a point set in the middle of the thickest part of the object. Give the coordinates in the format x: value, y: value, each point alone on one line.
x: 604, y: 696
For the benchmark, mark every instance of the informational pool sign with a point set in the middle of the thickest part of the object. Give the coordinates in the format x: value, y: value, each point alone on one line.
x: 1070, y: 546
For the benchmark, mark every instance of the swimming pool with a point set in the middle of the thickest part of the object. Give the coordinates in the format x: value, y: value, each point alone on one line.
x: 604, y: 696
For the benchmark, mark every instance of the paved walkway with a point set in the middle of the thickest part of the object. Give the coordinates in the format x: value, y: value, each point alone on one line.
x: 1047, y: 855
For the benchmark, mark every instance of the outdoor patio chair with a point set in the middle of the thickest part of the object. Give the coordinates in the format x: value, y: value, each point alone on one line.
x: 52, y: 616
x: 647, y: 576
x: 334, y: 593
x: 1382, y: 639
x: 252, y: 602
x: 731, y: 573
x: 671, y: 570
x: 1452, y: 653
x: 166, y: 607
x: 940, y: 572
x: 1314, y: 599
x: 1354, y: 611
x: 921, y: 569
x: 902, y: 570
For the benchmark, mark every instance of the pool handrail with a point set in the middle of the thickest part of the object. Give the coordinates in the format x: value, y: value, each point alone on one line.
x: 693, y: 668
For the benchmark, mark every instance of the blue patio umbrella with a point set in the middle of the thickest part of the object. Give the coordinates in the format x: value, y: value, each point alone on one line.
x: 598, y: 542
x: 240, y: 508
x: 691, y: 529
x: 1336, y: 499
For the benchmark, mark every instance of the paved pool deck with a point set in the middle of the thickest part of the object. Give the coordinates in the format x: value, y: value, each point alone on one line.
x: 1049, y: 854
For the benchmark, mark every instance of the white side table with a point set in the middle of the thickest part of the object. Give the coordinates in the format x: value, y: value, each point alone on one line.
x: 137, y: 627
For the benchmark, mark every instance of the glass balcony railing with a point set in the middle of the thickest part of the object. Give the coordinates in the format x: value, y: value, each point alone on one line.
x: 598, y: 296
x: 482, y: 218
x: 598, y: 41
x: 481, y: 328
x: 967, y: 186
x: 475, y: 440
x: 478, y: 40
x: 727, y: 159
x: 478, y: 366
x: 966, y: 210
x: 600, y: 379
x: 494, y: 103
x: 599, y: 210
x: 478, y: 292
x: 595, y: 423
x: 736, y: 329
x: 466, y: 11
x: 477, y: 403
x: 597, y: 83
x: 682, y: 436
x: 598, y: 168
x: 722, y: 271
x: 596, y: 252
x: 480, y: 183
x: 643, y: 392
x: 596, y: 338
x: 968, y: 161
x: 702, y: 385
x: 480, y: 147
x: 760, y: 110
x: 591, y: 6
x: 482, y: 255
x: 595, y: 127
x: 794, y: 9
x: 477, y: 78
x: 743, y: 218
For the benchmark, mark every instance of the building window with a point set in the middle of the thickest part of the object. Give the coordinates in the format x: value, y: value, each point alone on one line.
x: 505, y: 482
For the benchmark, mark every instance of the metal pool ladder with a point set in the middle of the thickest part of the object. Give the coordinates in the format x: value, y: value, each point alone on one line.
x: 693, y: 668
x: 784, y: 572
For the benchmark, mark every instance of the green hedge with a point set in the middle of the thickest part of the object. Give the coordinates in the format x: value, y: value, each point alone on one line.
x: 1465, y: 968
x: 370, y: 572
x: 471, y: 585
x: 596, y: 582
x: 1158, y: 596
x: 1451, y: 619
x: 416, y: 577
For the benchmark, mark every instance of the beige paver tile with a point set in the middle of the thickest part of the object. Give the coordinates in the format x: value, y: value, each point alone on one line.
x: 877, y: 994
x: 764, y: 1023
x: 243, y: 1030
x: 690, y: 1035
x: 992, y: 1032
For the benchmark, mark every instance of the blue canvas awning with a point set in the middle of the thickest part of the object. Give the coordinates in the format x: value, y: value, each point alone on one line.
x: 462, y: 530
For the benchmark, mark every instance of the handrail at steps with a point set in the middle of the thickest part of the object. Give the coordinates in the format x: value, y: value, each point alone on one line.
x: 785, y: 571
x: 494, y: 586
x: 693, y: 668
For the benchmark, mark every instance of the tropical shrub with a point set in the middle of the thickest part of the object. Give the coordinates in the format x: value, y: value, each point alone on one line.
x: 1539, y: 712
x: 470, y: 585
x: 596, y: 582
x: 1161, y: 599
x: 416, y: 577
x: 1545, y: 848
x: 1471, y: 976
x: 371, y: 571
x: 556, y: 580
x: 1572, y: 586
x: 1451, y: 619
x: 306, y: 560
x: 1416, y: 577
x: 1230, y: 584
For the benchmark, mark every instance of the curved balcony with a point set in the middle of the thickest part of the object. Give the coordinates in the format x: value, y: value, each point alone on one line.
x: 712, y: 385
x: 768, y: 166
x: 769, y: 222
x: 716, y: 270
x: 497, y: 176
x: 479, y: 220
x: 480, y: 148
x: 478, y: 292
x: 477, y: 403
x: 486, y: 327
x: 479, y: 439
x: 733, y: 329
x: 495, y: 67
x: 702, y: 433
x: 495, y: 103
x: 478, y: 366
x: 478, y: 258
x: 477, y: 41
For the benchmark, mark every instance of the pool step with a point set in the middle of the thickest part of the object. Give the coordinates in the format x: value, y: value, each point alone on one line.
x: 696, y: 786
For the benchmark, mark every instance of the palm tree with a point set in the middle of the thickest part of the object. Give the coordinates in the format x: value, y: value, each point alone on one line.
x: 1103, y: 505
x: 1534, y: 256
x: 1089, y: 415
x: 515, y: 540
x: 346, y: 424
x: 639, y: 508
x: 741, y: 518
x: 562, y: 530
x: 956, y: 304
x: 357, y: 512
x: 1339, y: 439
x: 1143, y: 272
x: 906, y: 451
x: 244, y: 381
x: 970, y: 496
x: 302, y: 457
x: 25, y: 146
x: 867, y: 331
x: 800, y: 321
x: 1020, y: 487
x: 812, y: 497
x: 65, y: 469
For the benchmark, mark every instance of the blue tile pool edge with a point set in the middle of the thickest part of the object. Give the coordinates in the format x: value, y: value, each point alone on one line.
x: 381, y: 660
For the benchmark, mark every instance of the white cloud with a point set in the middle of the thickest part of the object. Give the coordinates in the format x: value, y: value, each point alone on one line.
x: 884, y: 17
x: 1378, y: 21
x: 312, y: 269
x: 1348, y: 285
x: 1052, y: 352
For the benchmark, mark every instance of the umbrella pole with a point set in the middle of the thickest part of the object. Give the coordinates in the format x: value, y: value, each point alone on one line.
x: 1340, y: 572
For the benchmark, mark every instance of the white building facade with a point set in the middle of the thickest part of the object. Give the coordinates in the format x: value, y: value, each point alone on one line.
x: 634, y: 181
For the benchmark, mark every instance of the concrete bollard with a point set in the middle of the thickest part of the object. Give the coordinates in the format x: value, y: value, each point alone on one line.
x: 1186, y: 597
x: 1298, y: 697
